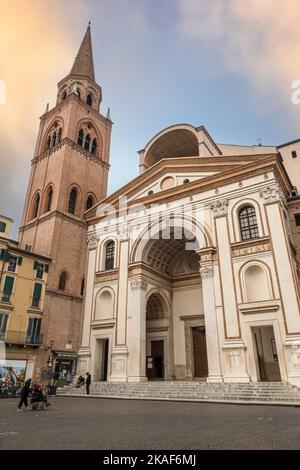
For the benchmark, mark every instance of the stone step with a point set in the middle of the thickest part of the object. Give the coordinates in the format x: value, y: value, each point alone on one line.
x: 256, y: 392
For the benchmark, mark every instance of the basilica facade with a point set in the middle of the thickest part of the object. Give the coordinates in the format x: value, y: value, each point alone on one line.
x: 192, y: 267
x: 188, y: 272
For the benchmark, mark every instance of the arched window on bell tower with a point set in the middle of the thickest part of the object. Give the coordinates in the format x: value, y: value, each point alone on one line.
x: 88, y: 138
x: 36, y: 205
x: 89, y: 202
x: 72, y: 201
x: 94, y: 146
x: 62, y: 281
x: 87, y: 142
x: 89, y: 99
x: 54, y: 135
x: 80, y: 138
x: 49, y: 200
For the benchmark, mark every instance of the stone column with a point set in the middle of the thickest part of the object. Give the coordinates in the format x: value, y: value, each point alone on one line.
x: 274, y: 200
x: 84, y: 352
x: 272, y: 197
x: 233, y: 350
x: 137, y: 330
x: 211, y: 322
x: 120, y: 350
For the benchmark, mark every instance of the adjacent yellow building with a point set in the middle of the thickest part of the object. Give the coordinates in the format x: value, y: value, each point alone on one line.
x: 23, y: 276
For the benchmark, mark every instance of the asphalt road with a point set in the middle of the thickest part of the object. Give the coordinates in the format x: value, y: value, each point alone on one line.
x: 93, y: 423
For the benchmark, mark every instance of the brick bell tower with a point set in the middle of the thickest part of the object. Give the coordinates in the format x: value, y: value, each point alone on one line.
x: 69, y: 174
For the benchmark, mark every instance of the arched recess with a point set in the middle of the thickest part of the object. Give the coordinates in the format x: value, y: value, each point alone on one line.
x: 157, y: 306
x: 175, y: 141
x: 198, y: 233
x: 235, y: 217
x: 102, y: 253
x: 104, y: 304
x: 256, y: 282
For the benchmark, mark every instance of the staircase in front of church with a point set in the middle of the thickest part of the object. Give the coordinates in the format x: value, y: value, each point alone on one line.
x: 259, y: 392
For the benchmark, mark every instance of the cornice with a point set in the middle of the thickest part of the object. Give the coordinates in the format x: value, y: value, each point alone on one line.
x: 70, y: 143
x: 196, y: 164
x: 72, y: 218
x: 271, y: 163
x: 72, y: 96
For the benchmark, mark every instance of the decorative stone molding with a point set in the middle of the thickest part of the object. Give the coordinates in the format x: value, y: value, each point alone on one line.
x: 206, y: 272
x: 138, y: 284
x: 251, y: 249
x: 219, y: 207
x: 105, y: 277
x: 92, y: 241
x: 75, y: 147
x: 272, y: 193
x: 207, y: 254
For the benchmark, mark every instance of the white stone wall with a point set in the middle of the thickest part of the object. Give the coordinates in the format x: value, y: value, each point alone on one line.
x: 220, y: 297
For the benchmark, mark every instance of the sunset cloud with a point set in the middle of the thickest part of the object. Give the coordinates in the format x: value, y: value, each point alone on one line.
x: 36, y: 49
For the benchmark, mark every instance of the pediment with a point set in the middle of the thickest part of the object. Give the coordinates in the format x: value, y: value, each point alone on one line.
x: 169, y: 175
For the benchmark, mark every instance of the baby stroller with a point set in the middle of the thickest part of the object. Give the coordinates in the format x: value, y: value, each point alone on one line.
x: 39, y: 399
x: 80, y: 382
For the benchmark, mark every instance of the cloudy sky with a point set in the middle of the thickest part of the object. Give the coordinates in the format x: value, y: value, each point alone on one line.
x: 225, y: 64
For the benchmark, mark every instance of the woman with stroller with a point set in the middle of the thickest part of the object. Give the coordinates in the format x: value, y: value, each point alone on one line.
x: 25, y: 390
x: 38, y: 397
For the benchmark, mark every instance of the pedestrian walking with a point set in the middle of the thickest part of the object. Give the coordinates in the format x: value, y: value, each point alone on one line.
x: 88, y: 382
x: 24, y: 395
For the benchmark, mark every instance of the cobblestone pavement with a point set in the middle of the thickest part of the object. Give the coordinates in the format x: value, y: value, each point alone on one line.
x: 81, y: 423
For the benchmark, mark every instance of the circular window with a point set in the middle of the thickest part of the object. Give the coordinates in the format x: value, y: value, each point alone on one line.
x: 167, y: 183
x: 150, y: 192
x: 186, y: 181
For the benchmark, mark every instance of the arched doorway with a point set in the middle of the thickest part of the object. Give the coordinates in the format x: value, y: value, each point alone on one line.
x: 175, y: 330
x: 157, y: 325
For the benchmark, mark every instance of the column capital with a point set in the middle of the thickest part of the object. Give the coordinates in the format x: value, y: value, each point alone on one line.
x: 219, y: 207
x: 92, y: 241
x: 207, y: 271
x: 138, y: 283
x: 272, y: 193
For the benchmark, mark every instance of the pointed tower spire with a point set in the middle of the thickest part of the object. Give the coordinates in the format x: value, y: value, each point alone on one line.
x: 84, y: 64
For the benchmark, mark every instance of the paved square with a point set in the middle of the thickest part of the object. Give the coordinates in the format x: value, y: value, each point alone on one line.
x: 94, y: 423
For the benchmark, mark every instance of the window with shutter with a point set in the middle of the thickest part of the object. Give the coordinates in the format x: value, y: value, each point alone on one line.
x: 36, y: 295
x: 8, y: 288
x: 12, y: 264
x: 33, y: 331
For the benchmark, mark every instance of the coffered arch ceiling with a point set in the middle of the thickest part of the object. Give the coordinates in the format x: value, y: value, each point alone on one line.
x: 155, y: 307
x: 175, y: 143
x: 172, y: 255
